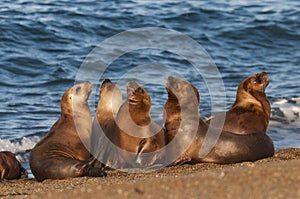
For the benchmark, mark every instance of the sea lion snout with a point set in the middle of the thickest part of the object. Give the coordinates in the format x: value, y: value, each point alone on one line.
x: 83, y: 89
x: 179, y: 88
x: 105, y: 81
x: 132, y: 87
x: 136, y: 93
x: 171, y: 83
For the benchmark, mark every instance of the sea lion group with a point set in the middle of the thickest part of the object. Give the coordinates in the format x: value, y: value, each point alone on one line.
x: 123, y: 135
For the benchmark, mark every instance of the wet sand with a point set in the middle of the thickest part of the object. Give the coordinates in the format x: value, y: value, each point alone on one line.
x: 276, y: 177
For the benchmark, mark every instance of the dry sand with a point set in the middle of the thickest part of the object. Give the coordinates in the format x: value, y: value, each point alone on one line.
x: 276, y: 177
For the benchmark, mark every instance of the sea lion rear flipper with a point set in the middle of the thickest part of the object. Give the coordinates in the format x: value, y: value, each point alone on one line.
x: 93, y: 172
x: 23, y: 172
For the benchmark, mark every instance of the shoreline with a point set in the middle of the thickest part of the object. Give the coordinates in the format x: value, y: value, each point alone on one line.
x: 276, y: 177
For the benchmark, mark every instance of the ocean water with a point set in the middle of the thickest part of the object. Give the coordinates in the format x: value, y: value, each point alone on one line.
x: 45, y: 43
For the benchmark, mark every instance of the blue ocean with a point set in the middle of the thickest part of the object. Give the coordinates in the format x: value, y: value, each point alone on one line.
x: 45, y: 44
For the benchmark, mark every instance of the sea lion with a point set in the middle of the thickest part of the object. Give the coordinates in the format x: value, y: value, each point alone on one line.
x: 140, y: 139
x: 61, y: 153
x: 251, y: 111
x: 104, y: 125
x: 185, y: 126
x: 10, y: 167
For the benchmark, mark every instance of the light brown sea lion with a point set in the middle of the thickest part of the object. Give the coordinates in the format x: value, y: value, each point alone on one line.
x: 140, y: 139
x: 251, y: 111
x: 61, y: 153
x: 104, y: 125
x: 10, y: 167
x: 182, y: 119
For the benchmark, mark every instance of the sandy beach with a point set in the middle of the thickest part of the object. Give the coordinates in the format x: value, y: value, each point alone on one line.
x: 276, y: 177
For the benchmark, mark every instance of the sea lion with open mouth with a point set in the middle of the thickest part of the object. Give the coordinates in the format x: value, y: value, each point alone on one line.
x: 62, y: 153
x: 251, y: 111
x: 104, y: 124
x: 186, y: 132
x: 10, y: 167
x: 139, y: 138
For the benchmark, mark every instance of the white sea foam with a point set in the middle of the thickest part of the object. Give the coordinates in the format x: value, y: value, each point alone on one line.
x: 287, y: 111
x: 280, y: 102
x: 16, y: 147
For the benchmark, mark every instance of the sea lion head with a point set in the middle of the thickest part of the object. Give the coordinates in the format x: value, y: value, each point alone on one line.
x: 179, y: 89
x: 75, y: 97
x: 256, y: 83
x: 139, y: 104
x: 251, y: 91
x: 138, y: 97
x: 111, y: 96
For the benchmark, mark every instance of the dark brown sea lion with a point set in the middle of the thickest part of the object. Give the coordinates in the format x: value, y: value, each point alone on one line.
x: 61, y: 153
x: 140, y: 139
x: 186, y: 128
x: 251, y: 111
x: 10, y: 167
x: 104, y: 125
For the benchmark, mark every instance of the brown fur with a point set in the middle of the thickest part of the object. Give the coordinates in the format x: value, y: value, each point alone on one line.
x: 10, y: 167
x: 251, y: 111
x: 104, y: 125
x: 63, y: 152
x: 136, y: 132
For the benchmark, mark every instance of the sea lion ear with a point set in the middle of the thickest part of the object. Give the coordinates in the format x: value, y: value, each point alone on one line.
x: 70, y: 96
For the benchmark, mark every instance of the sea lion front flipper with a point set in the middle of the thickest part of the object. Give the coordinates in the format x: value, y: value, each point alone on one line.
x: 93, y: 171
x: 148, y: 158
x: 139, y: 159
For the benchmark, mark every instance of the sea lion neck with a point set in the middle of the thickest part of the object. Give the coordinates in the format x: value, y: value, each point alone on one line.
x: 172, y: 109
x: 66, y: 110
x: 140, y: 114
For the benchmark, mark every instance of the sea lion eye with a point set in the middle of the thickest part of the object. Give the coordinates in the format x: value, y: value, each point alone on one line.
x: 78, y: 89
x: 257, y: 81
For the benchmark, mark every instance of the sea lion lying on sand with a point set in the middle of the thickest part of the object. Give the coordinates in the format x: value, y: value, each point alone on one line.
x: 186, y: 132
x: 251, y: 111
